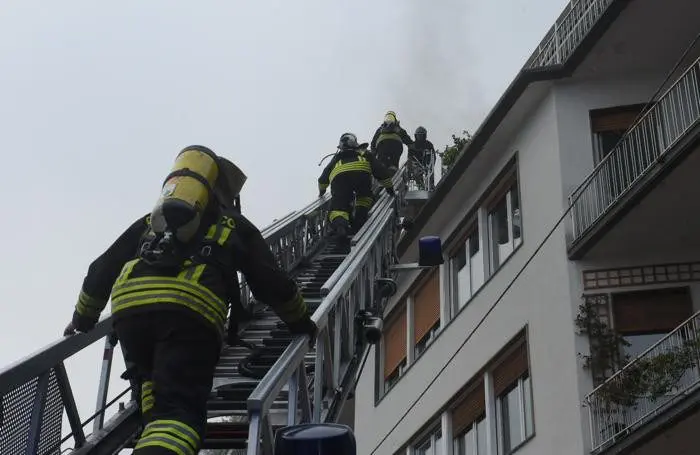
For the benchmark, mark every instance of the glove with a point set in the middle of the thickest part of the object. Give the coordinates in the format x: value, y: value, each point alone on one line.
x: 390, y: 191
x: 79, y: 323
x: 321, y: 193
x: 305, y: 327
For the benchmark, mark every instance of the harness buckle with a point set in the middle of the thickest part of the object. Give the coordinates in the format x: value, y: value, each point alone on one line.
x: 206, y: 251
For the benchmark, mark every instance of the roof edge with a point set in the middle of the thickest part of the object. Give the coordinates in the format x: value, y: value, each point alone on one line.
x: 503, y: 106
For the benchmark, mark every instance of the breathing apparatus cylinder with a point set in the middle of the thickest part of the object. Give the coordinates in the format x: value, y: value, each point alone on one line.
x: 185, y: 194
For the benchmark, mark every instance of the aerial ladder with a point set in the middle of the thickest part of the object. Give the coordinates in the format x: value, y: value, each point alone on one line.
x: 281, y: 383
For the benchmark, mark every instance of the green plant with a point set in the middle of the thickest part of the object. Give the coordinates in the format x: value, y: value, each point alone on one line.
x: 451, y: 153
x: 650, y: 377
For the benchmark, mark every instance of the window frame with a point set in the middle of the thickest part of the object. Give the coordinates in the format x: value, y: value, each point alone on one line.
x: 510, y: 186
x: 434, y: 437
x: 505, y: 184
x: 473, y: 431
x: 635, y: 109
x: 502, y: 424
x: 490, y: 417
x: 383, y: 385
x: 453, y: 273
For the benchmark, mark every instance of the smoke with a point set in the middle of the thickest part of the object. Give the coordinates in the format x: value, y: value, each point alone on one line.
x: 434, y: 82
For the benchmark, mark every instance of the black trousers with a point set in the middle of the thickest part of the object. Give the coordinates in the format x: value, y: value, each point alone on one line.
x: 389, y: 153
x: 346, y: 187
x: 175, y: 355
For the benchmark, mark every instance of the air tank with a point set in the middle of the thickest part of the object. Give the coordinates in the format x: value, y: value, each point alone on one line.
x: 185, y: 194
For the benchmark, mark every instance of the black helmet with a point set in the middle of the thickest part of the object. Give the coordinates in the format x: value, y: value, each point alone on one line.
x: 348, y: 141
x: 422, y: 132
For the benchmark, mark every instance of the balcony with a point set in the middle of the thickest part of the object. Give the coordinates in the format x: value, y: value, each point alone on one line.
x: 654, y: 145
x: 568, y: 31
x: 653, y: 402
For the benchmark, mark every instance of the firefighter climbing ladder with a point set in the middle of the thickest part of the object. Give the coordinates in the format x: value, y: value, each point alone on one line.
x: 297, y: 383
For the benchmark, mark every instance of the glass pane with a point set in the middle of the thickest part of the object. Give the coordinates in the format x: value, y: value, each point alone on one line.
x: 424, y: 449
x: 640, y: 343
x: 510, y: 405
x: 529, y: 414
x: 515, y: 209
x: 481, y: 448
x: 463, y: 286
x: 476, y: 262
x: 458, y: 445
x: 438, y: 445
x: 500, y: 237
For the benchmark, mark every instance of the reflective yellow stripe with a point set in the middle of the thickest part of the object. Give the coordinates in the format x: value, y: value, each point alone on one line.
x: 192, y: 272
x: 322, y: 186
x: 126, y: 271
x: 151, y: 297
x: 385, y: 136
x: 361, y: 165
x: 89, y: 306
x: 292, y: 310
x: 386, y: 183
x: 156, y: 441
x: 172, y: 432
x: 364, y: 201
x: 219, y: 233
x: 156, y: 289
x: 338, y: 214
x: 147, y: 404
x: 147, y: 398
x: 163, y: 282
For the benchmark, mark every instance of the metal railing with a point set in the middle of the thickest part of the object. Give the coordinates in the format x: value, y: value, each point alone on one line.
x: 643, y: 146
x: 420, y: 176
x: 568, y: 31
x: 349, y: 290
x: 35, y: 392
x: 661, y: 376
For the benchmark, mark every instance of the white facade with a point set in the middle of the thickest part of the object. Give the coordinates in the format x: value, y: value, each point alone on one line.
x: 545, y: 144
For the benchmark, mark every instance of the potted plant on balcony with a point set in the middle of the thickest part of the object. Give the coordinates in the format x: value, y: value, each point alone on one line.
x: 624, y: 383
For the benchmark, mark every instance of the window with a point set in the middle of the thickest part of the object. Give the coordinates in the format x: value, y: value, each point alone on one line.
x: 644, y: 317
x: 431, y: 445
x: 504, y: 226
x: 609, y: 125
x: 467, y: 264
x: 426, y: 312
x: 469, y: 423
x: 493, y: 233
x: 500, y: 398
x: 512, y: 387
x: 394, y: 342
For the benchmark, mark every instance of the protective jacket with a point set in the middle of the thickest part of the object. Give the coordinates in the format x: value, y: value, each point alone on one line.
x: 392, y: 132
x: 350, y: 175
x: 360, y: 164
x: 423, y: 151
x: 201, y: 287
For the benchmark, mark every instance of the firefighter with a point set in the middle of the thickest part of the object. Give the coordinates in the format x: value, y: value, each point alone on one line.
x: 170, y: 277
x: 388, y: 141
x: 349, y: 175
x: 421, y: 159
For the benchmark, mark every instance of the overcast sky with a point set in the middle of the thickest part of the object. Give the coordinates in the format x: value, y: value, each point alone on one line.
x: 97, y: 98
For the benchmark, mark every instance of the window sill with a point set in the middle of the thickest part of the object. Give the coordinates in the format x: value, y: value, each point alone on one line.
x: 522, y: 444
x: 381, y: 397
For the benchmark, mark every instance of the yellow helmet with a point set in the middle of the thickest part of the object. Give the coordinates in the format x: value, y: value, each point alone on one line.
x: 390, y: 118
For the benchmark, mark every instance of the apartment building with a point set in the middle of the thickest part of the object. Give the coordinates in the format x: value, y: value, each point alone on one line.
x: 539, y: 337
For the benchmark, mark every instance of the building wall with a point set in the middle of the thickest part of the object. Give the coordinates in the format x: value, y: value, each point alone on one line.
x: 574, y: 99
x: 540, y: 300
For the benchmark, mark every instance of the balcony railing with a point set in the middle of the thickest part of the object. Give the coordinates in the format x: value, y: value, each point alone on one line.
x: 569, y: 30
x: 661, y: 376
x: 642, y: 147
